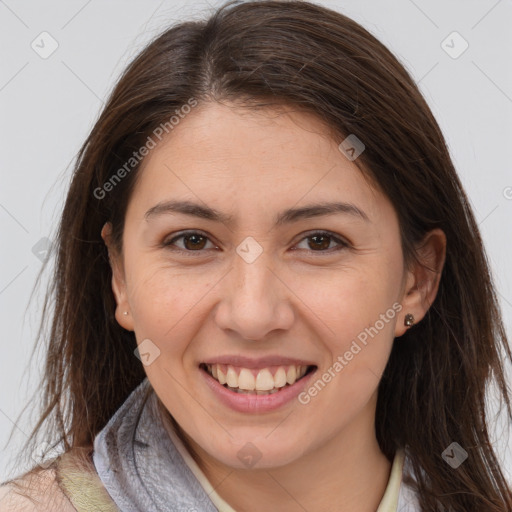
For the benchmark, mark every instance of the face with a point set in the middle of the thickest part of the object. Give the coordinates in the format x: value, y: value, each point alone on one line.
x: 256, y: 281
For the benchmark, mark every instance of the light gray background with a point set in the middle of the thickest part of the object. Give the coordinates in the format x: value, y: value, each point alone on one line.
x: 49, y: 105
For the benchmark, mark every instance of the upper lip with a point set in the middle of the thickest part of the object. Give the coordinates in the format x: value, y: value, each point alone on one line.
x: 260, y: 362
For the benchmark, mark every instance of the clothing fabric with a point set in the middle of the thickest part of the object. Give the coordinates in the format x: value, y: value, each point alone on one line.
x: 145, y: 467
x: 79, y: 482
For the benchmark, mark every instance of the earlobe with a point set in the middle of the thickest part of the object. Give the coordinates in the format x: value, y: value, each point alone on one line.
x: 423, y: 279
x: 124, y: 319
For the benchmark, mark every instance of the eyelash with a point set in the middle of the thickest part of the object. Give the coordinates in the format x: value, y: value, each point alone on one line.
x: 341, y: 243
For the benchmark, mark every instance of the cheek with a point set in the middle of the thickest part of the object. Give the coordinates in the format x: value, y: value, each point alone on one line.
x: 164, y: 303
x: 357, y: 356
x: 166, y: 306
x: 351, y: 300
x: 358, y: 311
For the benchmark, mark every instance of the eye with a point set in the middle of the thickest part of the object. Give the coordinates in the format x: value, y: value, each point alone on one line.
x: 196, y: 241
x: 193, y: 241
x: 320, y: 241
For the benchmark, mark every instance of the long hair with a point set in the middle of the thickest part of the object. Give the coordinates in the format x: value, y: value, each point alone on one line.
x: 433, y: 391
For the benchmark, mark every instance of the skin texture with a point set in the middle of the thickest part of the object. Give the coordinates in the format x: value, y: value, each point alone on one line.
x: 299, y: 298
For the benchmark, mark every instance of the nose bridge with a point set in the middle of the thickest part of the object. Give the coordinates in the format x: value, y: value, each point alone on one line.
x: 254, y: 301
x: 252, y: 279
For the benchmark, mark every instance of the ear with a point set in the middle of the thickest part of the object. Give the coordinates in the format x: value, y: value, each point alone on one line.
x: 118, y: 280
x: 422, y: 280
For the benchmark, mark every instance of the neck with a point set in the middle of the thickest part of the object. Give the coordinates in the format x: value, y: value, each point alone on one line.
x: 346, y: 473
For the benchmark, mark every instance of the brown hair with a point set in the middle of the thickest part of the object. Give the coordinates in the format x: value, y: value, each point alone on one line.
x: 296, y: 53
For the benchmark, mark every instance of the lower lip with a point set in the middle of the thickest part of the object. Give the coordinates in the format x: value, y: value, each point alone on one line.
x: 242, y: 402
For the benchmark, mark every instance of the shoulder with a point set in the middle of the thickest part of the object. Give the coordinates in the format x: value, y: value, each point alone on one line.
x: 37, y: 490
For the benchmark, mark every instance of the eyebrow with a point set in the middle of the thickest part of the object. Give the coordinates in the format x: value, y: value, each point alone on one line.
x: 285, y: 217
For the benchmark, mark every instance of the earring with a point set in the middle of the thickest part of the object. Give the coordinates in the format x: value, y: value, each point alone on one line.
x: 408, y: 320
x: 125, y: 313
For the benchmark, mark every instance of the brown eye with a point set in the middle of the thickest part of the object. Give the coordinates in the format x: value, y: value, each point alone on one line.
x: 192, y: 242
x: 321, y: 242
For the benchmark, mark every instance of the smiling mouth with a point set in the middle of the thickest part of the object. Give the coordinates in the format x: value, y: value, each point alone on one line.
x: 264, y: 381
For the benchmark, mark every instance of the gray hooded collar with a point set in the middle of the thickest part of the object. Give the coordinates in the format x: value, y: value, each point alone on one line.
x: 138, y: 463
x: 143, y: 471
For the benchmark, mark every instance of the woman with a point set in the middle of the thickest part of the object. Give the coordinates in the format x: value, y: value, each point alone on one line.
x: 270, y: 290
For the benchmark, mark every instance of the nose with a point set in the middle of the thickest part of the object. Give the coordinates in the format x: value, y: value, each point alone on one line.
x: 255, y: 300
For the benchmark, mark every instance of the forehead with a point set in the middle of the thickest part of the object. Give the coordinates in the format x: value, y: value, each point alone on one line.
x: 238, y: 158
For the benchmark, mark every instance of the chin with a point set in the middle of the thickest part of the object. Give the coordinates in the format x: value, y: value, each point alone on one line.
x: 258, y: 451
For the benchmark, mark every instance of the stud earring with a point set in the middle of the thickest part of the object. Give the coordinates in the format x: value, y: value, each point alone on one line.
x: 125, y: 313
x: 408, y: 320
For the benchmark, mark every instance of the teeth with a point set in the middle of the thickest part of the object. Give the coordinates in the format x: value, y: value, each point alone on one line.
x: 291, y: 374
x: 257, y: 392
x: 280, y: 378
x: 221, y: 377
x: 264, y: 380
x: 244, y: 380
x: 232, y: 377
